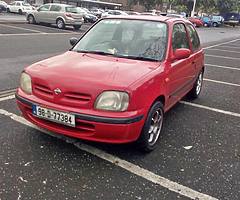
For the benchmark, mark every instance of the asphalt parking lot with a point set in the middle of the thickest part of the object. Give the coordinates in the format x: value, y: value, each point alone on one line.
x: 198, y: 155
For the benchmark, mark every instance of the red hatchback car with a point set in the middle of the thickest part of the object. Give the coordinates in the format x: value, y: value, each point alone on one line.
x: 117, y: 80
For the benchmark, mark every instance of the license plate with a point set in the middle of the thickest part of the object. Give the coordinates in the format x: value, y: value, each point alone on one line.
x: 54, y: 115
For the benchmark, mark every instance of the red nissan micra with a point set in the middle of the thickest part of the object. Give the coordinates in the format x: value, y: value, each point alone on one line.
x: 117, y: 80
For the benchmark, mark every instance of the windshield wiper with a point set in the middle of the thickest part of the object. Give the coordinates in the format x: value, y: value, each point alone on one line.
x: 95, y: 52
x: 139, y: 58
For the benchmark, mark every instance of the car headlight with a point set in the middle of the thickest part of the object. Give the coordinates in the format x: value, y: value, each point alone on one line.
x: 112, y: 101
x: 26, y: 83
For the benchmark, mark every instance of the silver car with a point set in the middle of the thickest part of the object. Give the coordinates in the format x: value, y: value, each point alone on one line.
x: 59, y: 14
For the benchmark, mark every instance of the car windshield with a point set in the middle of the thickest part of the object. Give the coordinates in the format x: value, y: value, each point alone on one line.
x: 133, y: 39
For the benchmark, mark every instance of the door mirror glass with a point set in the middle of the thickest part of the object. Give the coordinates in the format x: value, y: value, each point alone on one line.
x: 181, y: 53
x: 73, y: 41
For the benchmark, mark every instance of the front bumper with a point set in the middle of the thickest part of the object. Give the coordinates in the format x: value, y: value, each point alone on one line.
x: 88, y: 127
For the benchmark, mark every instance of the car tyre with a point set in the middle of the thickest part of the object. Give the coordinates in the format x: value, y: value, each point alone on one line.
x: 20, y: 12
x: 8, y: 10
x: 152, y: 128
x: 77, y: 27
x: 197, y: 87
x: 215, y: 24
x: 31, y: 19
x: 60, y: 24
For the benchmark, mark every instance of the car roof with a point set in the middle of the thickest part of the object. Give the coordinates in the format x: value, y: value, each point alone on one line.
x: 60, y: 4
x: 149, y: 18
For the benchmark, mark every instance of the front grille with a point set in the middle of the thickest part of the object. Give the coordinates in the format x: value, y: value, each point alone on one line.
x: 77, y: 97
x: 43, y: 91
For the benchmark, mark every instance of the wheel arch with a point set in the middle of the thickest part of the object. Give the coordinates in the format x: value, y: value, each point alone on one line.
x: 60, y: 17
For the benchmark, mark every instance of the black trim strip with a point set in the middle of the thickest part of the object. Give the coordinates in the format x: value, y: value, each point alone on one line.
x: 92, y: 118
x: 183, y: 87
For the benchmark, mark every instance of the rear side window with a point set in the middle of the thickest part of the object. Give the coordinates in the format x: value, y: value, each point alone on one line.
x: 179, y: 37
x: 55, y: 8
x: 44, y: 8
x: 193, y: 37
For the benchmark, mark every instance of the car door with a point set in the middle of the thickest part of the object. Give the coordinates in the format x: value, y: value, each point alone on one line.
x: 41, y: 14
x: 55, y: 11
x: 16, y: 6
x: 197, y: 52
x: 180, y: 73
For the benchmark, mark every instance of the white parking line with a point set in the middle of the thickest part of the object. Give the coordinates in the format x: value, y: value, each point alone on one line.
x: 37, y: 34
x: 223, y: 50
x: 20, y: 28
x: 216, y: 45
x: 225, y: 57
x: 223, y: 67
x: 128, y: 166
x: 211, y: 109
x: 221, y: 82
x: 225, y: 46
x: 7, y: 98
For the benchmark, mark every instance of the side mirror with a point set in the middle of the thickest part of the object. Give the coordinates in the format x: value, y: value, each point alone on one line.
x: 181, y: 53
x: 73, y: 41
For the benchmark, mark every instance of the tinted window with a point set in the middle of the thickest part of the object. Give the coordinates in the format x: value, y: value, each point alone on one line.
x: 194, y: 37
x: 126, y: 38
x: 44, y: 8
x: 55, y: 8
x: 17, y: 4
x: 179, y: 37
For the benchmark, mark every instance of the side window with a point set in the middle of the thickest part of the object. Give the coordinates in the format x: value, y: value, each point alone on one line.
x: 44, y: 8
x: 55, y: 8
x: 18, y: 4
x: 194, y: 37
x: 179, y: 37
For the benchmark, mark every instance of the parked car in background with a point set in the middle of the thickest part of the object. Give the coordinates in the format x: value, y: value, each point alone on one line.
x: 3, y: 6
x: 232, y: 19
x: 19, y: 7
x: 132, y: 13
x: 97, y: 12
x: 207, y: 22
x: 59, y: 14
x: 148, y: 14
x: 196, y: 21
x: 217, y: 20
x: 115, y: 84
x: 113, y: 12
x: 87, y: 16
x: 175, y: 15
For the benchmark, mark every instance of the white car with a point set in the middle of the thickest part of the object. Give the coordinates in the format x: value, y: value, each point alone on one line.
x: 19, y: 7
x: 113, y: 12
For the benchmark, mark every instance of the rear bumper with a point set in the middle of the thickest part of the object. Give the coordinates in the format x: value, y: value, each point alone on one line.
x: 88, y: 127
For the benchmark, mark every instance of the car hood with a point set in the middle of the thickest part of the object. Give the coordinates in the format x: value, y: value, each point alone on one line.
x: 90, y: 69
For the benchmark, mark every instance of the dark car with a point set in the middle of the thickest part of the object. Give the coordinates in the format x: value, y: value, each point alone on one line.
x: 3, y: 6
x: 232, y: 19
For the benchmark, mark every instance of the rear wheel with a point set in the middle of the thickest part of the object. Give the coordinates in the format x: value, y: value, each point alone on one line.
x: 197, y: 88
x: 31, y: 19
x: 77, y: 27
x: 20, y: 12
x: 215, y: 24
x: 60, y: 24
x: 152, y: 128
x: 8, y: 10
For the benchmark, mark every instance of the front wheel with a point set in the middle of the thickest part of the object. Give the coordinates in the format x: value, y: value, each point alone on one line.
x: 215, y: 24
x: 152, y: 128
x: 31, y: 19
x: 77, y: 27
x: 197, y: 88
